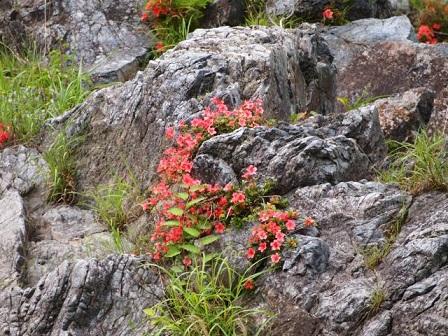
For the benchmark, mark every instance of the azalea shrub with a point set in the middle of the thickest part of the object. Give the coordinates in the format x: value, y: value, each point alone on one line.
x: 191, y: 214
x: 432, y: 20
x: 172, y: 20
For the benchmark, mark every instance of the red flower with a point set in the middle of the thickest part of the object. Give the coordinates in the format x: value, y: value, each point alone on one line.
x: 275, y: 258
x: 159, y: 46
x: 250, y: 253
x: 328, y: 14
x: 186, y: 261
x: 250, y: 172
x: 436, y: 26
x: 238, y: 197
x: 426, y: 34
x: 249, y: 284
x: 219, y: 227
x: 169, y: 132
x: 144, y: 17
x: 262, y: 247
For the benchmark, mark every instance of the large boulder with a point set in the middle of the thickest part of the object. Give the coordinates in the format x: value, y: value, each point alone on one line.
x: 88, y: 297
x: 107, y: 36
x: 290, y: 70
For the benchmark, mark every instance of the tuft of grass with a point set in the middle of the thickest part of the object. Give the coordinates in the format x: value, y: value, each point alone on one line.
x: 62, y: 166
x: 206, y: 300
x: 418, y: 167
x: 374, y: 255
x: 359, y: 102
x: 256, y: 16
x: 34, y: 89
x: 377, y: 298
x: 116, y: 204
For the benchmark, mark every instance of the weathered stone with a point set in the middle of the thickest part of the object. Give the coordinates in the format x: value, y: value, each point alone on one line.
x: 107, y: 33
x: 88, y: 297
x: 312, y: 9
x: 289, y: 70
x: 224, y: 13
x: 439, y: 117
x: 379, y: 326
x: 318, y: 151
x: 402, y: 115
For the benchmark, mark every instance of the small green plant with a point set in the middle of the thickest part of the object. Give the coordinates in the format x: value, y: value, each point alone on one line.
x: 377, y: 298
x: 62, y: 169
x: 206, y: 300
x: 420, y: 166
x: 359, y: 102
x: 116, y: 204
x: 256, y: 15
x: 34, y: 89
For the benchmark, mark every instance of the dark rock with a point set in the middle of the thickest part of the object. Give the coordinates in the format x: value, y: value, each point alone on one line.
x: 296, y: 156
x: 224, y: 13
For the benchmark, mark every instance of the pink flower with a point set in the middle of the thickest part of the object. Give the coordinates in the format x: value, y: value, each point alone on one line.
x: 238, y: 197
x: 186, y: 261
x: 276, y: 245
x: 262, y: 247
x: 169, y: 133
x: 250, y: 253
x: 308, y: 222
x: 250, y: 171
x: 290, y: 225
x: 328, y: 14
x: 275, y: 258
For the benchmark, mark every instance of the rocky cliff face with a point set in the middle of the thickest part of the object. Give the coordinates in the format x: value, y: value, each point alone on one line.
x: 55, y: 277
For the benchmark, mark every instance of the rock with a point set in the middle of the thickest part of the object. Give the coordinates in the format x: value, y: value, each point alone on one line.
x: 12, y: 232
x: 296, y: 156
x: 403, y: 115
x: 224, y: 13
x: 87, y: 297
x: 107, y: 34
x: 357, y: 9
x: 439, y: 118
x: 289, y: 70
x: 386, y: 50
x: 423, y: 309
x: 379, y: 326
x: 23, y: 169
x: 65, y: 223
x: 422, y: 246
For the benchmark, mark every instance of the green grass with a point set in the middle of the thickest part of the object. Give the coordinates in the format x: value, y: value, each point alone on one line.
x: 420, y: 166
x: 256, y: 16
x: 207, y: 300
x: 34, y: 89
x: 62, y: 165
x: 116, y: 204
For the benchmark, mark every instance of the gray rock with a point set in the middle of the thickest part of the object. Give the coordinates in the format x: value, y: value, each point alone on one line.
x: 403, y: 115
x: 379, y: 326
x: 422, y: 246
x: 290, y: 70
x: 12, y: 232
x: 107, y: 33
x: 318, y: 151
x: 439, y: 118
x: 66, y: 223
x: 23, y: 169
x: 88, y: 297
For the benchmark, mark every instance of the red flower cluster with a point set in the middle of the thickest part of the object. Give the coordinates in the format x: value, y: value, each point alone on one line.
x: 270, y: 234
x: 157, y: 8
x: 186, y: 208
x: 4, y: 134
x: 426, y: 34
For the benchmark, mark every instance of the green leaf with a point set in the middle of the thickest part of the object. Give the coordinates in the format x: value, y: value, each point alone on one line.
x: 176, y: 211
x: 204, y: 225
x: 177, y: 269
x: 192, y: 232
x: 171, y: 223
x: 172, y: 252
x: 210, y: 256
x: 183, y: 195
x: 195, y: 201
x: 150, y: 312
x: 197, y: 187
x: 191, y: 248
x: 208, y: 239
